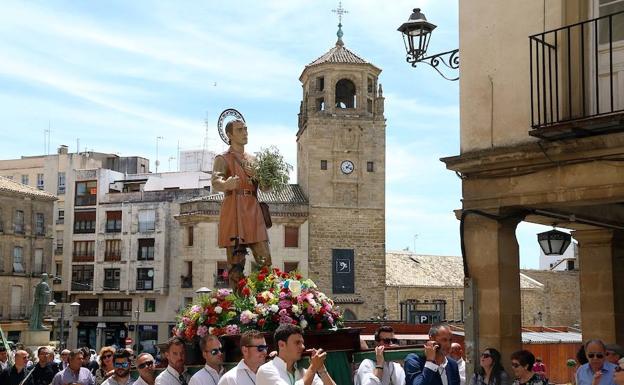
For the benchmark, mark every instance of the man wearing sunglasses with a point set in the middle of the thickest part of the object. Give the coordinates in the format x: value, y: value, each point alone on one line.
x: 145, y: 366
x: 212, y: 351
x: 254, y: 349
x: 121, y: 363
x: 435, y: 368
x: 598, y: 371
x: 381, y: 372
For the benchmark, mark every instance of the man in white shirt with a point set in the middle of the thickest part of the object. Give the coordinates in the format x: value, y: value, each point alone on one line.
x: 145, y: 366
x: 212, y: 351
x: 381, y: 372
x: 457, y: 353
x: 283, y: 369
x: 254, y: 349
x: 4, y: 358
x: 175, y: 373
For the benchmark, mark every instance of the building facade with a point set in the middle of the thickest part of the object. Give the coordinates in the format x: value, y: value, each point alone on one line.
x: 541, y: 106
x: 26, y: 228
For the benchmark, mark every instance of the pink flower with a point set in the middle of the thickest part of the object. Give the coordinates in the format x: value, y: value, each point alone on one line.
x: 284, y: 304
x: 284, y: 319
x: 186, y: 320
x: 202, y: 331
x: 196, y: 309
x: 232, y: 329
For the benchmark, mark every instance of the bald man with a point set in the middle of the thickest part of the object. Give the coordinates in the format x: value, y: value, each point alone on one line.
x: 15, y: 374
x: 457, y: 353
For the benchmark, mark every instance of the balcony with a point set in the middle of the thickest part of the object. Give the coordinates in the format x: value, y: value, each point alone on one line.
x: 58, y: 251
x: 88, y: 256
x: 112, y: 256
x: 57, y: 280
x: 37, y: 270
x: 574, y: 76
x: 85, y: 200
x: 14, y: 312
x: 111, y: 284
x: 186, y: 282
x: 60, y: 221
x: 60, y: 190
x: 82, y: 286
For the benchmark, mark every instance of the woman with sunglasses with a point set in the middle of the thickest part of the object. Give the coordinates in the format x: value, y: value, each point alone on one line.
x: 522, y: 366
x: 106, y: 368
x: 490, y: 370
x: 598, y: 371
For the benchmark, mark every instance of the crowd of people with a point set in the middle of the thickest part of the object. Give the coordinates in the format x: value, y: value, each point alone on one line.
x: 441, y: 364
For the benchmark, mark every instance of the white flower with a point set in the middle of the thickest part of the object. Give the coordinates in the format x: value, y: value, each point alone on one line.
x: 213, y: 300
x: 218, y: 309
x: 274, y: 308
x: 295, y: 287
x: 295, y: 309
x: 303, y: 324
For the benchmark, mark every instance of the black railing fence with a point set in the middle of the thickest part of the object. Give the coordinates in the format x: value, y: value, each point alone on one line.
x: 576, y: 71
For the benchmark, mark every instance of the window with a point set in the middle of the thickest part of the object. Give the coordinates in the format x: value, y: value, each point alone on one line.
x: 18, y: 260
x: 38, y: 268
x: 146, y: 249
x: 370, y: 86
x: 188, y: 301
x: 291, y: 266
x: 221, y: 278
x: 370, y: 166
x: 61, y: 217
x: 58, y: 269
x: 40, y: 181
x: 113, y: 250
x: 345, y: 94
x: 25, y: 179
x: 343, y: 273
x: 117, y: 307
x: 82, y: 278
x: 320, y: 83
x: 147, y: 220
x: 86, y: 193
x: 320, y: 104
x: 84, y: 222
x: 88, y: 307
x: 291, y: 236
x: 187, y: 280
x: 111, y: 279
x: 145, y: 279
x: 39, y: 224
x: 59, y: 243
x: 113, y: 221
x: 84, y: 251
x: 607, y: 7
x: 189, y: 236
x: 61, y: 183
x: 19, y: 222
x: 150, y: 305
x: 369, y: 105
x: 323, y: 164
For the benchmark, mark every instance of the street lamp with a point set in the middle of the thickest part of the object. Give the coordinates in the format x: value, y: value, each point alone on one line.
x: 416, y: 35
x: 74, y: 308
x: 203, y: 290
x: 554, y: 242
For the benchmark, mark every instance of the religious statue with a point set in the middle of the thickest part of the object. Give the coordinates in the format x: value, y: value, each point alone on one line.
x: 40, y: 303
x: 241, y: 222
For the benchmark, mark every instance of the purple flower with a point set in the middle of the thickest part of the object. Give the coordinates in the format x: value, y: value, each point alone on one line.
x: 196, y: 309
x: 284, y: 304
x: 202, y: 331
x: 232, y: 329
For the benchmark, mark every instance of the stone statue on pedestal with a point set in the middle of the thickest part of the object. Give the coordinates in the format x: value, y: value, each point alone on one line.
x: 40, y: 303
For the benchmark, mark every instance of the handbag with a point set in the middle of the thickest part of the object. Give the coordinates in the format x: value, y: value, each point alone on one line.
x: 266, y: 214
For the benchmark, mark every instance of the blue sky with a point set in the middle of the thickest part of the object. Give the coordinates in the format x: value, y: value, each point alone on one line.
x: 117, y: 74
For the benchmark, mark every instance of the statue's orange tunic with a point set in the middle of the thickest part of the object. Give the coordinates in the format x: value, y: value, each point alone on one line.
x: 241, y: 215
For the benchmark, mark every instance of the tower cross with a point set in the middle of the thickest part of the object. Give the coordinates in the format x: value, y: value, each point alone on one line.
x: 340, y: 11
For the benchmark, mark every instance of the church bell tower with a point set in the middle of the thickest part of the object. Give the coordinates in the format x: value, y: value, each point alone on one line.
x: 341, y: 153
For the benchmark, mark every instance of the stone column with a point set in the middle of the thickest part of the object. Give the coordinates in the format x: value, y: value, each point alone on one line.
x: 601, y: 261
x: 493, y: 264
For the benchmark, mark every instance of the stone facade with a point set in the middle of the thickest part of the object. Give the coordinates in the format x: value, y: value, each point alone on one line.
x: 25, y: 250
x: 341, y: 169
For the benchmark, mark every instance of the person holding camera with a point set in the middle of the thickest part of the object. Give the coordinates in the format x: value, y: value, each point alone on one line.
x: 435, y: 368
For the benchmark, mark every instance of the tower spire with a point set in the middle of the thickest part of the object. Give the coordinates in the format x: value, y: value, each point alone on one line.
x: 340, y: 11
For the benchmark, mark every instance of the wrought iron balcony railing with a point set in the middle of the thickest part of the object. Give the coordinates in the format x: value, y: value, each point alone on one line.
x: 574, y: 72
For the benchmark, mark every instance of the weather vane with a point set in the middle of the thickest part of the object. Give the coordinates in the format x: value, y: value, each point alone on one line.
x: 340, y: 11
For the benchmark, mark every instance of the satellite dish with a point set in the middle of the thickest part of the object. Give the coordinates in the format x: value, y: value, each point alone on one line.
x: 221, y: 123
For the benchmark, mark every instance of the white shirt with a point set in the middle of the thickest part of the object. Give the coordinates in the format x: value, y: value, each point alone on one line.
x: 140, y: 381
x: 112, y: 381
x: 206, y: 376
x: 239, y: 375
x: 439, y: 368
x: 393, y: 374
x: 461, y: 364
x: 275, y: 373
x: 170, y: 376
x: 4, y: 365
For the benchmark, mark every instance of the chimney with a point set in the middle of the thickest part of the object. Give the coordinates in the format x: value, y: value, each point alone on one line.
x: 62, y: 150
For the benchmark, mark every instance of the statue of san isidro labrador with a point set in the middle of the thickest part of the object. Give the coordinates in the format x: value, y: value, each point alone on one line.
x: 241, y: 223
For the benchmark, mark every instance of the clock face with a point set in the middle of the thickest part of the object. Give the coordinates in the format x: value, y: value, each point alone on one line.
x: 347, y: 167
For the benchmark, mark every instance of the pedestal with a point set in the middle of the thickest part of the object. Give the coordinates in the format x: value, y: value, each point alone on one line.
x: 35, y: 338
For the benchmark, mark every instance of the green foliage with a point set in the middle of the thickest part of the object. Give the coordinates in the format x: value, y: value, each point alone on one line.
x: 271, y: 169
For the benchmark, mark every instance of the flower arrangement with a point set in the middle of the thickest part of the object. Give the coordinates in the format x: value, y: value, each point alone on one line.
x: 264, y: 300
x: 271, y: 170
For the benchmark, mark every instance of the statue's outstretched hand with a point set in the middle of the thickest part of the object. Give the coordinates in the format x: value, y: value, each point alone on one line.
x: 231, y: 183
